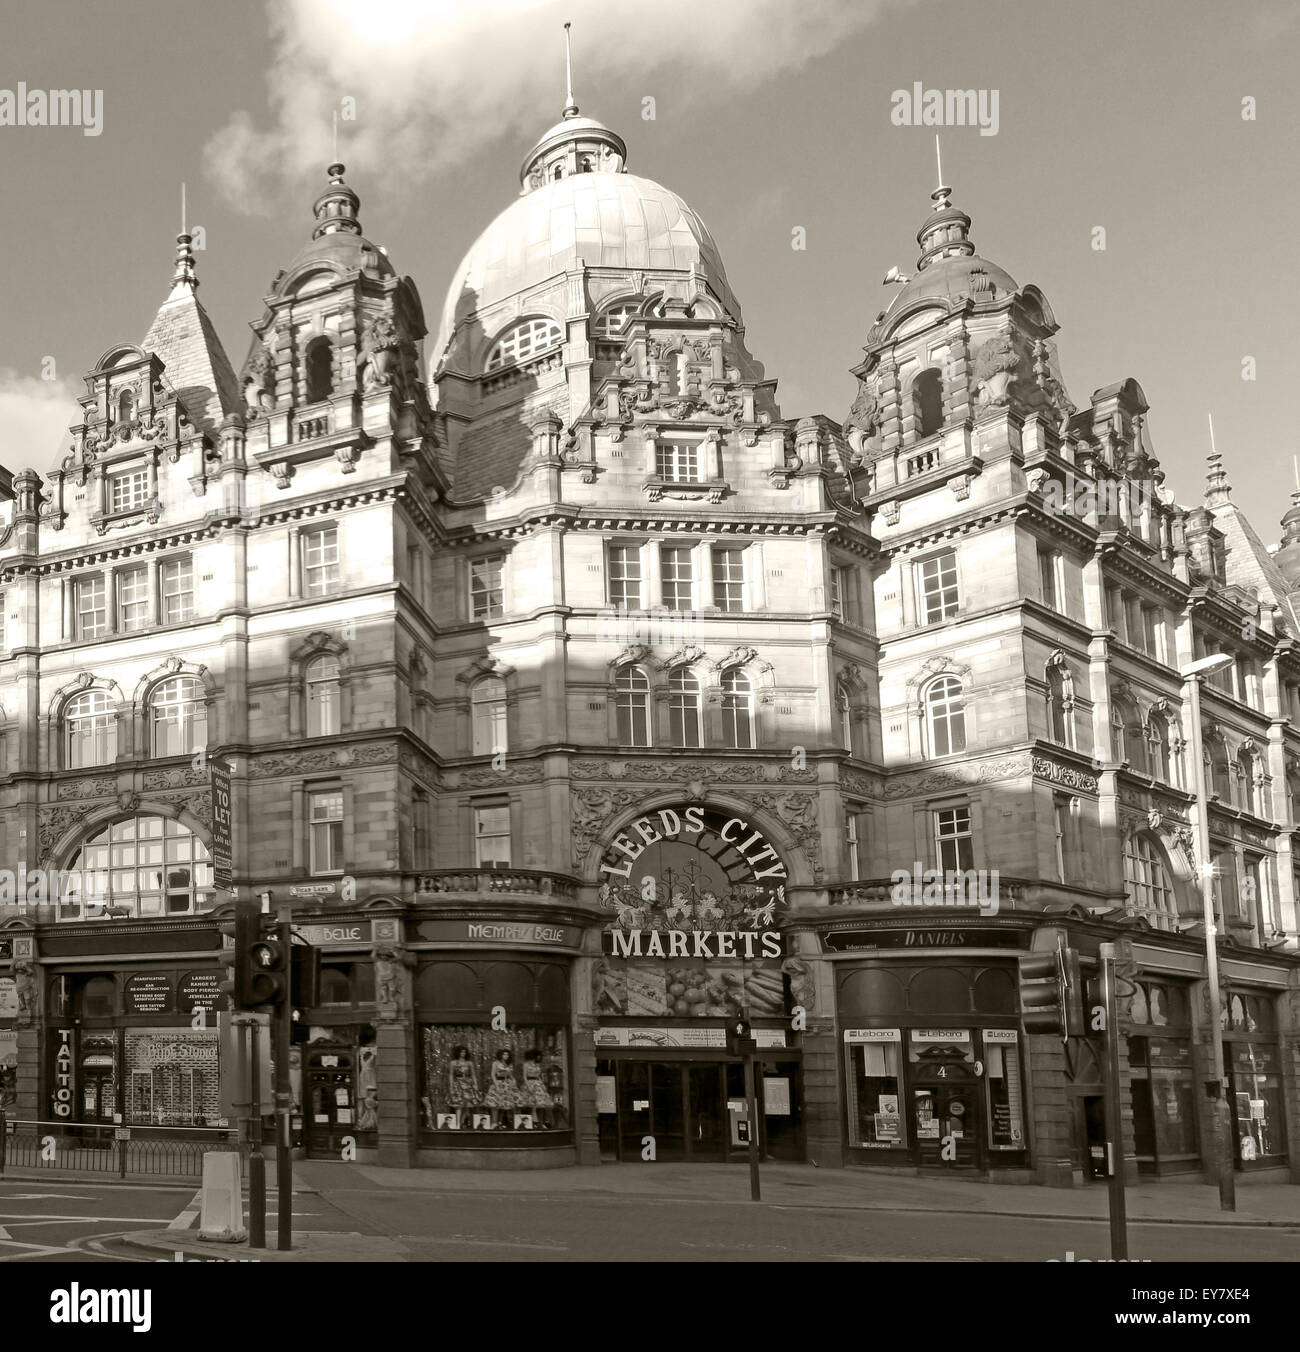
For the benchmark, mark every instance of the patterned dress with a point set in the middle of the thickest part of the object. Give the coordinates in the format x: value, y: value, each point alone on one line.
x: 534, y: 1087
x: 503, y: 1092
x: 463, y: 1088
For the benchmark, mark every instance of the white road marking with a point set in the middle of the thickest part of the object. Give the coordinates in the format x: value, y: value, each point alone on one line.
x: 47, y: 1197
x: 58, y: 1220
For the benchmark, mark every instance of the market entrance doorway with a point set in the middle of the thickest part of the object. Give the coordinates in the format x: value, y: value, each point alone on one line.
x: 695, y: 1110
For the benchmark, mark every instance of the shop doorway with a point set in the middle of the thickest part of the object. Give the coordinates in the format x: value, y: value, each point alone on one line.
x: 696, y: 1110
x: 947, y: 1110
x: 331, y: 1099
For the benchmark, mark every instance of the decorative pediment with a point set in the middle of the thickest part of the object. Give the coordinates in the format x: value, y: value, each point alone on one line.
x: 485, y: 666
x: 683, y: 657
x: 317, y: 642
x: 737, y: 657
x: 633, y: 655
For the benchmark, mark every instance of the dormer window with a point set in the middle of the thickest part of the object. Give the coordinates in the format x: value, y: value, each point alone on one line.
x: 678, y: 462
x: 524, y: 341
x: 611, y: 323
x: 130, y: 491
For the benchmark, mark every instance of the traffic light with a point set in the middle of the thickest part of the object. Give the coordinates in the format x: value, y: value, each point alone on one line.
x: 304, y: 976
x: 739, y: 1039
x: 268, y: 976
x: 244, y: 933
x: 1051, y: 993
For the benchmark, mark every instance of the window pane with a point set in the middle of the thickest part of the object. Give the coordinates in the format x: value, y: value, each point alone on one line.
x: 320, y: 561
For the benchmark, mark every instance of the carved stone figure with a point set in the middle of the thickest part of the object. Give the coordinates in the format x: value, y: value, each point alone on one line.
x: 380, y: 349
x: 388, y: 975
x: 25, y: 980
x: 803, y: 989
x: 257, y: 381
x: 994, y: 369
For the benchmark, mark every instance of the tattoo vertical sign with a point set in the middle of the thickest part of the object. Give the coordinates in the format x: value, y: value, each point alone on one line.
x: 221, y: 853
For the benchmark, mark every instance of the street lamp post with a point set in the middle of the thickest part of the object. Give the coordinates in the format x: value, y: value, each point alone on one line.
x: 1224, y: 1155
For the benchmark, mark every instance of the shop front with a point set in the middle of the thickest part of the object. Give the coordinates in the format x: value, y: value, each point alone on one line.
x: 1162, y: 1077
x: 493, y: 1041
x: 695, y: 897
x: 932, y: 1061
x: 1253, y: 1062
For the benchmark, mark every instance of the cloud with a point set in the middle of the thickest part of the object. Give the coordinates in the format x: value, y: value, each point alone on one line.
x: 436, y: 80
x: 34, y: 419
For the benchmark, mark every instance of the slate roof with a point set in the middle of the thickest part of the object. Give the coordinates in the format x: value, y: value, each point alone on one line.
x: 196, y: 365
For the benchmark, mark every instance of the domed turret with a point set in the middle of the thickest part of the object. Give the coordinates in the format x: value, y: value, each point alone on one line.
x: 337, y: 236
x: 1287, y: 557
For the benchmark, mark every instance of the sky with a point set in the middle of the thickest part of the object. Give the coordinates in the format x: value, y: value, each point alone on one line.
x: 769, y: 116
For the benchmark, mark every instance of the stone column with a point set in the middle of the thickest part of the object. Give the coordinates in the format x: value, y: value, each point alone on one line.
x: 1049, y: 1108
x: 586, y: 1128
x: 823, y: 1133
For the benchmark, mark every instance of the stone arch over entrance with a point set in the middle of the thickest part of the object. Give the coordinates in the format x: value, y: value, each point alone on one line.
x: 786, y: 821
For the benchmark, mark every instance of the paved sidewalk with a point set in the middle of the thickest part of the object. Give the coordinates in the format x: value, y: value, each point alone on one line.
x: 804, y: 1186
x: 783, y: 1186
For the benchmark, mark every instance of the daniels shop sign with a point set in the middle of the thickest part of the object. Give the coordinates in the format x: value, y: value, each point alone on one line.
x: 692, y: 882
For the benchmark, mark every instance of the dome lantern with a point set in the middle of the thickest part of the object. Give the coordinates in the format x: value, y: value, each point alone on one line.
x: 575, y: 145
x: 336, y: 208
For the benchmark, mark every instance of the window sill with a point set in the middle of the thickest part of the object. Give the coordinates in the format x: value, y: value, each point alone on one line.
x: 656, y: 488
x: 149, y: 511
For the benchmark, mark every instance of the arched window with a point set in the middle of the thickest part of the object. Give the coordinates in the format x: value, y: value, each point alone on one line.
x: 844, y: 716
x: 611, y: 322
x: 126, y: 406
x: 1058, y: 720
x: 1158, y: 738
x: 1146, y: 879
x: 1130, y: 745
x: 146, y: 865
x: 684, y: 708
x: 178, y: 717
x: 323, y: 696
x: 488, y: 715
x: 927, y: 402
x: 89, y: 730
x: 1246, y: 774
x: 737, y: 710
x: 632, y: 706
x: 945, y: 716
x: 320, y: 370
x: 1218, y: 766
x: 525, y: 340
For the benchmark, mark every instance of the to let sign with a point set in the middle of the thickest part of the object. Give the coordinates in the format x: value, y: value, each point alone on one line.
x: 221, y: 857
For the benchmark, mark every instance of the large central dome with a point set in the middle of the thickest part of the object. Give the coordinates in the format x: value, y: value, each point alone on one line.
x: 614, y: 220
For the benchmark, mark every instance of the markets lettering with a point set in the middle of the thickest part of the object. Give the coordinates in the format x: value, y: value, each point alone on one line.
x: 709, y: 944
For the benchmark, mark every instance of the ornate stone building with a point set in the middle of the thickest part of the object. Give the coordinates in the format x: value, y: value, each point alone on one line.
x: 579, y: 700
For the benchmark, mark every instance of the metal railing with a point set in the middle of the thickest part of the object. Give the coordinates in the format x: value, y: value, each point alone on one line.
x: 134, y: 1151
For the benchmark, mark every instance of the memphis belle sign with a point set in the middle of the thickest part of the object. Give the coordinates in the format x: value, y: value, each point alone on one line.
x: 692, y: 882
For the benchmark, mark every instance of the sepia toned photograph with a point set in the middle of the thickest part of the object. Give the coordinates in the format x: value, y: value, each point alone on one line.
x: 649, y: 633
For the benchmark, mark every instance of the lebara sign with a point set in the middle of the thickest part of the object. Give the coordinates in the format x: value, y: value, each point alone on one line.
x: 692, y: 882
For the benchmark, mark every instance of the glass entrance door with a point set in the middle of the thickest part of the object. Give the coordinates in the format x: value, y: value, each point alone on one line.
x: 706, y: 1112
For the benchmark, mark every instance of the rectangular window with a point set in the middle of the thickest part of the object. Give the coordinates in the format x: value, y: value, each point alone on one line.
x: 678, y: 576
x: 1115, y: 611
x: 1133, y: 620
x: 1006, y: 1100
x: 1063, y: 823
x: 954, y: 847
x: 320, y: 561
x: 1049, y: 579
x: 625, y: 577
x: 937, y: 584
x: 92, y: 607
x: 729, y: 579
x: 855, y: 842
x: 3, y: 637
x: 486, y: 588
x: 325, y: 824
x: 492, y: 837
x: 1152, y: 624
x: 838, y: 580
x: 176, y: 580
x: 132, y: 599
x: 420, y: 828
x: 130, y: 491
x: 873, y: 1063
x: 678, y: 462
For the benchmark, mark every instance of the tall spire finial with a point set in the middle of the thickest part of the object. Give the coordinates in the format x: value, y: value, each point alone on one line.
x: 938, y: 161
x: 570, y: 108
x: 183, y: 230
x: 1217, y: 488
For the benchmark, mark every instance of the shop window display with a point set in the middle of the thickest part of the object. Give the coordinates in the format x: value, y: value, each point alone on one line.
x: 479, y: 1079
x: 873, y: 1063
